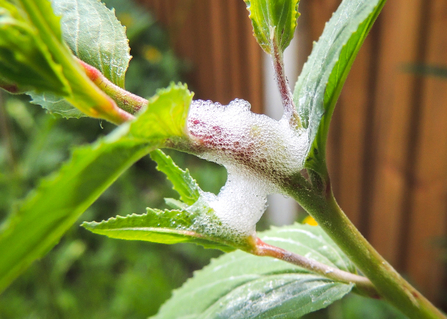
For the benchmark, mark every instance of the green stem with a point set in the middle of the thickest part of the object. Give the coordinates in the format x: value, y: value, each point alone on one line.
x: 390, y: 285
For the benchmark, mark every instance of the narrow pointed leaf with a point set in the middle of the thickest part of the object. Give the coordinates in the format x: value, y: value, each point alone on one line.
x: 192, y: 220
x: 47, y: 213
x: 182, y: 181
x: 240, y: 285
x: 165, y: 227
x: 324, y: 74
x: 273, y: 21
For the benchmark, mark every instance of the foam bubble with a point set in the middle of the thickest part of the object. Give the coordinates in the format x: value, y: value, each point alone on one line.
x: 255, y: 149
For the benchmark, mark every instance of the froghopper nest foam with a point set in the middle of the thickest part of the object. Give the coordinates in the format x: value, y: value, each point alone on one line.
x: 255, y: 149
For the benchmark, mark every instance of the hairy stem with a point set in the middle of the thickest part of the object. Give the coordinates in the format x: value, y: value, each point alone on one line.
x: 124, y: 99
x: 362, y: 284
x: 284, y: 89
x: 389, y: 284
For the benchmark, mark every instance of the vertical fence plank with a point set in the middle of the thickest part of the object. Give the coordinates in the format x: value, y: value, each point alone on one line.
x: 216, y: 38
x: 254, y: 69
x: 352, y: 130
x: 428, y: 197
x: 236, y: 16
x: 218, y: 49
x: 394, y: 109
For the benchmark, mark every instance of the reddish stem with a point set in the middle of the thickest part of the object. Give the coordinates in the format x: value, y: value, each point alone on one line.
x: 127, y: 101
x: 284, y: 89
x: 362, y: 284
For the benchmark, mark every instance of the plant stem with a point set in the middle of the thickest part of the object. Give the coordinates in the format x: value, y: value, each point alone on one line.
x: 362, y: 284
x: 284, y: 89
x: 389, y: 284
x: 124, y: 99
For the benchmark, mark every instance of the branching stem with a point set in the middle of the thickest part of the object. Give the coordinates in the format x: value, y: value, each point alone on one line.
x: 362, y: 284
x: 389, y: 284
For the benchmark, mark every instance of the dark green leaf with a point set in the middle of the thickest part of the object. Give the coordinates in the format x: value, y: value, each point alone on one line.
x: 55, y: 205
x: 325, y: 72
x: 274, y: 22
x: 240, y: 285
x: 25, y: 60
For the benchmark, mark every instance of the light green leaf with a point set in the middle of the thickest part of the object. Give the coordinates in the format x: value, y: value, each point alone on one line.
x: 320, y: 83
x: 165, y: 227
x: 55, y: 105
x: 25, y: 60
x: 48, y: 212
x: 182, y: 181
x: 240, y: 285
x: 192, y: 220
x: 95, y: 36
x: 274, y: 22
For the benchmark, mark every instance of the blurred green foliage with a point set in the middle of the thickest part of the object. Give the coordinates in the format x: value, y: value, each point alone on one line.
x: 85, y: 275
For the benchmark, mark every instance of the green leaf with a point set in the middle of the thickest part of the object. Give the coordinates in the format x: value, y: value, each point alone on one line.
x: 166, y: 227
x: 273, y: 21
x: 240, y: 285
x: 48, y: 212
x: 182, y: 181
x: 192, y: 220
x: 320, y: 83
x: 55, y: 104
x: 32, y: 45
x: 25, y: 60
x: 95, y: 36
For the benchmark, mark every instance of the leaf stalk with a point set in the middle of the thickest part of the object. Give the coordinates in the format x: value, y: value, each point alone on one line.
x: 362, y: 284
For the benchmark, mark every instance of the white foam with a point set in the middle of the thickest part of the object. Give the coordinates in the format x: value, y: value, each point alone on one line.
x: 255, y: 149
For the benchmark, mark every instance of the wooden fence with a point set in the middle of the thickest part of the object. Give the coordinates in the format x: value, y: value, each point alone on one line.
x: 388, y: 139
